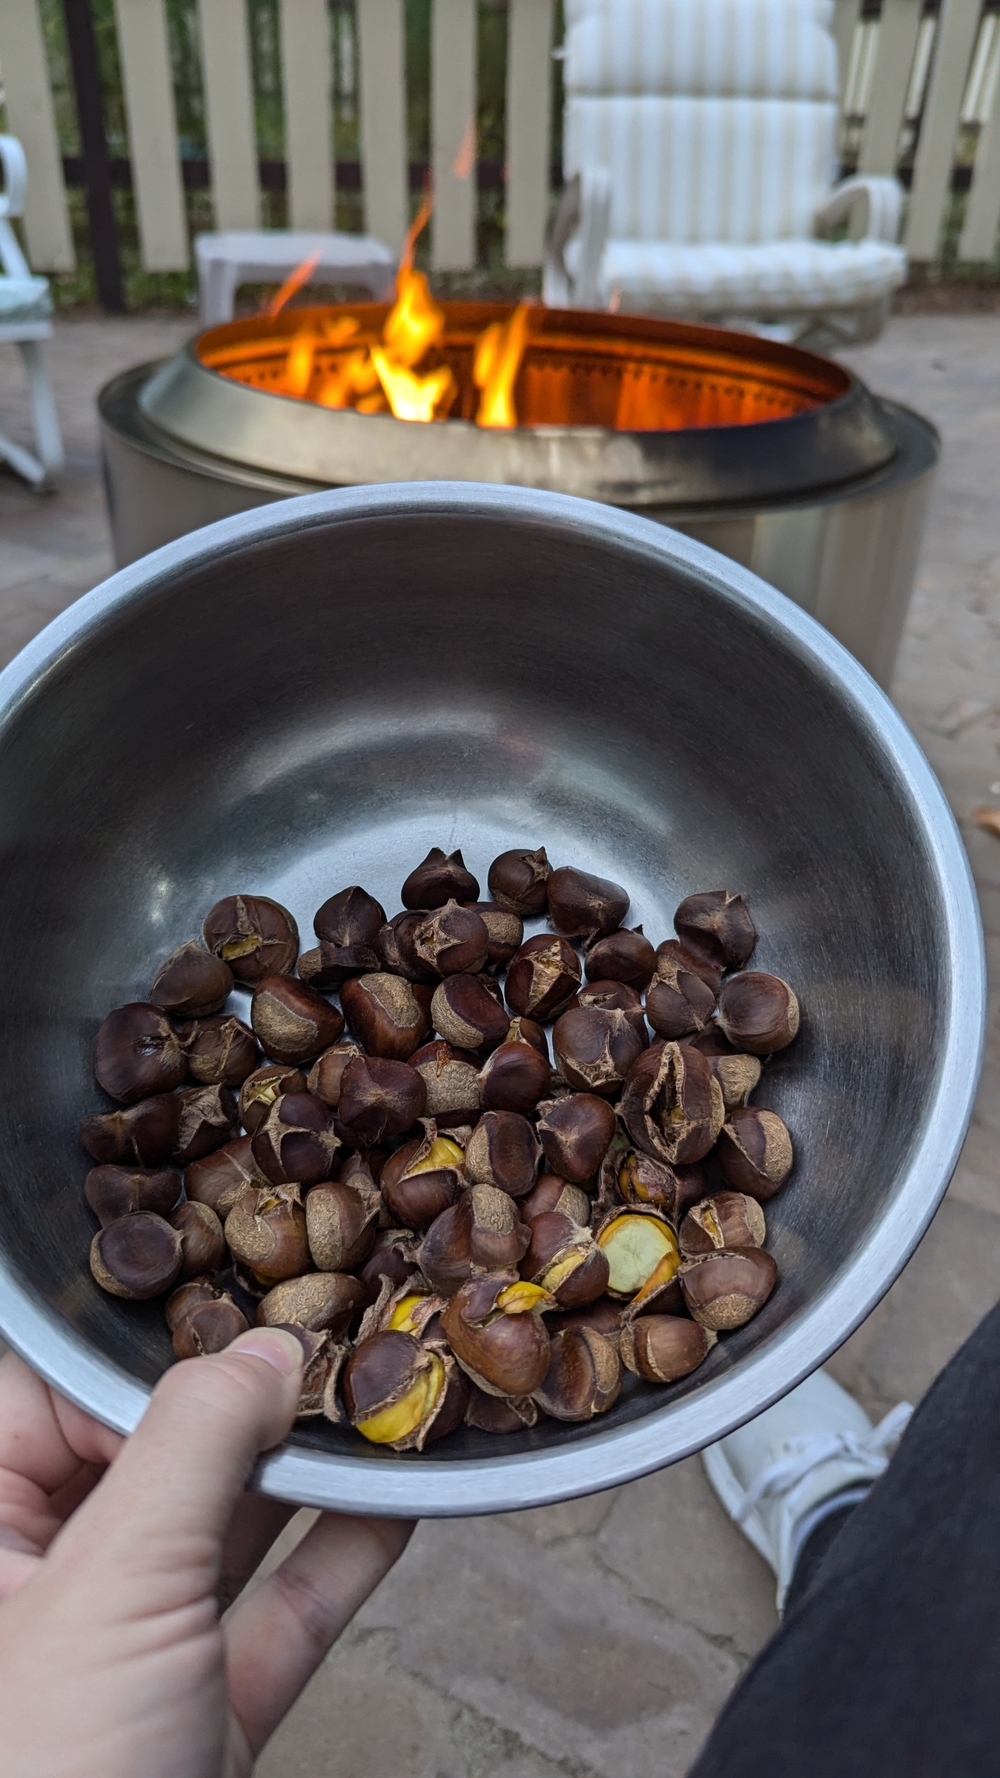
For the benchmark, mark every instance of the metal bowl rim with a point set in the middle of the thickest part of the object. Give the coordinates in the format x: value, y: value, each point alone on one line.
x: 438, y: 1487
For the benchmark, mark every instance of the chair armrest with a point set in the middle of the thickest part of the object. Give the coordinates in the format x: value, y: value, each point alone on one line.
x: 584, y: 214
x: 871, y: 203
x: 15, y: 177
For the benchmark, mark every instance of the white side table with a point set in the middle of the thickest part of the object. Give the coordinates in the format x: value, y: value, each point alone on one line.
x: 267, y: 255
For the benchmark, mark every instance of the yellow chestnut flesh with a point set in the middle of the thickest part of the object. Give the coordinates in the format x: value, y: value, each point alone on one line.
x: 634, y: 1246
x: 410, y: 1411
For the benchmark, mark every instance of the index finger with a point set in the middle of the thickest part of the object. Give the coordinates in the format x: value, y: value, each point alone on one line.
x: 44, y: 1439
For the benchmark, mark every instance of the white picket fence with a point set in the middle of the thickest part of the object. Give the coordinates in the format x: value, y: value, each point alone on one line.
x: 903, y: 69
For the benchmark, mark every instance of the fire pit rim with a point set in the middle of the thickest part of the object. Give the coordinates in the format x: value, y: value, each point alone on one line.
x: 441, y: 1487
x: 819, y: 447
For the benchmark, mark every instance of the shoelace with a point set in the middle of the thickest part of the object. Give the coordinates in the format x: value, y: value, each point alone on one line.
x: 813, y: 1448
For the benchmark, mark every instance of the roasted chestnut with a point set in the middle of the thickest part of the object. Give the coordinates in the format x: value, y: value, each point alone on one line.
x: 121, y: 1191
x: 549, y: 1192
x: 585, y: 906
x: 400, y: 1393
x: 759, y: 1013
x: 291, y: 1020
x: 635, y: 1242
x: 466, y: 1012
x: 518, y: 880
x: 565, y: 1260
x: 504, y: 1151
x: 543, y: 977
x: 351, y: 917
x: 209, y: 1326
x: 441, y: 877
x: 326, y: 1073
x: 342, y: 1220
x: 137, y: 1052
x: 504, y: 933
x: 379, y: 1098
x: 393, y: 1257
x: 672, y: 951
x: 672, y: 1105
x: 218, y: 1178
x: 254, y: 935
x: 191, y: 983
x: 724, y: 1290
x: 388, y: 1016
x: 515, y: 1077
x: 594, y: 1049
x: 266, y: 1231
x: 136, y: 1256
x: 495, y: 1329
x: 584, y: 1377
x: 203, y: 1244
x: 422, y: 1178
x: 143, y: 1135
x: 295, y: 1144
x: 220, y: 1051
x: 394, y: 945
x: 452, y: 940
x: 678, y: 1002
x: 499, y: 1413
x: 716, y: 926
x: 726, y: 1220
x: 481, y: 1232
x: 208, y: 1117
x: 663, y: 1348
x: 621, y: 956
x: 643, y: 1180
x: 323, y: 1302
x: 575, y: 1134
x: 264, y: 1085
x: 451, y: 1077
x: 755, y: 1152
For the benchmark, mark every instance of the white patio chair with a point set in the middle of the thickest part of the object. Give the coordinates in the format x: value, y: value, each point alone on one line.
x: 227, y: 260
x: 25, y: 307
x: 700, y: 154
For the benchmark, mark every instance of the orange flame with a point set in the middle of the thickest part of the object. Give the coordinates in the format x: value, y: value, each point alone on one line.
x: 412, y: 397
x: 292, y: 283
x: 499, y: 351
x: 465, y: 154
x: 415, y: 322
x: 385, y: 376
x: 416, y: 228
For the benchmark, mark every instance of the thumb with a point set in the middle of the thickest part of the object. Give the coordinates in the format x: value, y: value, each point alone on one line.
x: 178, y: 1477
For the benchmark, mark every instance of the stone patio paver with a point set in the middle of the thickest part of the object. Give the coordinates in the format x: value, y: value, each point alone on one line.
x: 600, y: 1637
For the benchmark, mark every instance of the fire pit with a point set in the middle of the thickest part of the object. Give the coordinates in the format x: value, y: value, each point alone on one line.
x: 778, y: 458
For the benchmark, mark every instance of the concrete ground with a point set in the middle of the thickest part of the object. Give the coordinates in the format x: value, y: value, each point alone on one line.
x: 603, y: 1636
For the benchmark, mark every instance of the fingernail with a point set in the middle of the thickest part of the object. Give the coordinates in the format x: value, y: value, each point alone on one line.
x: 274, y: 1346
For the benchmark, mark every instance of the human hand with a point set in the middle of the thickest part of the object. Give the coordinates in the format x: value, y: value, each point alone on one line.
x: 117, y: 1556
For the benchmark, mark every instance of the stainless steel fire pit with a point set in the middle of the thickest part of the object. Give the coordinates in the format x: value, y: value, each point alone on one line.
x: 779, y: 458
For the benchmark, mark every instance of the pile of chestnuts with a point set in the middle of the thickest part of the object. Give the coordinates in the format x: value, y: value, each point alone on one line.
x: 459, y: 1223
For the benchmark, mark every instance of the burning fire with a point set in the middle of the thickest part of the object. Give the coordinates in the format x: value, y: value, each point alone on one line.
x: 387, y: 377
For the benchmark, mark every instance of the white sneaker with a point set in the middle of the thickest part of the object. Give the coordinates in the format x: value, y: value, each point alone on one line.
x: 782, y: 1474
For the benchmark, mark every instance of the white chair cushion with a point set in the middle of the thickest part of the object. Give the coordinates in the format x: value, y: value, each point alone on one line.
x: 734, y: 48
x: 24, y: 299
x: 779, y: 277
x: 704, y: 169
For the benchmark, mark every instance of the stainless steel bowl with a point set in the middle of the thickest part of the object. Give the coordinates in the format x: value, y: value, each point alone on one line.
x: 312, y: 694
